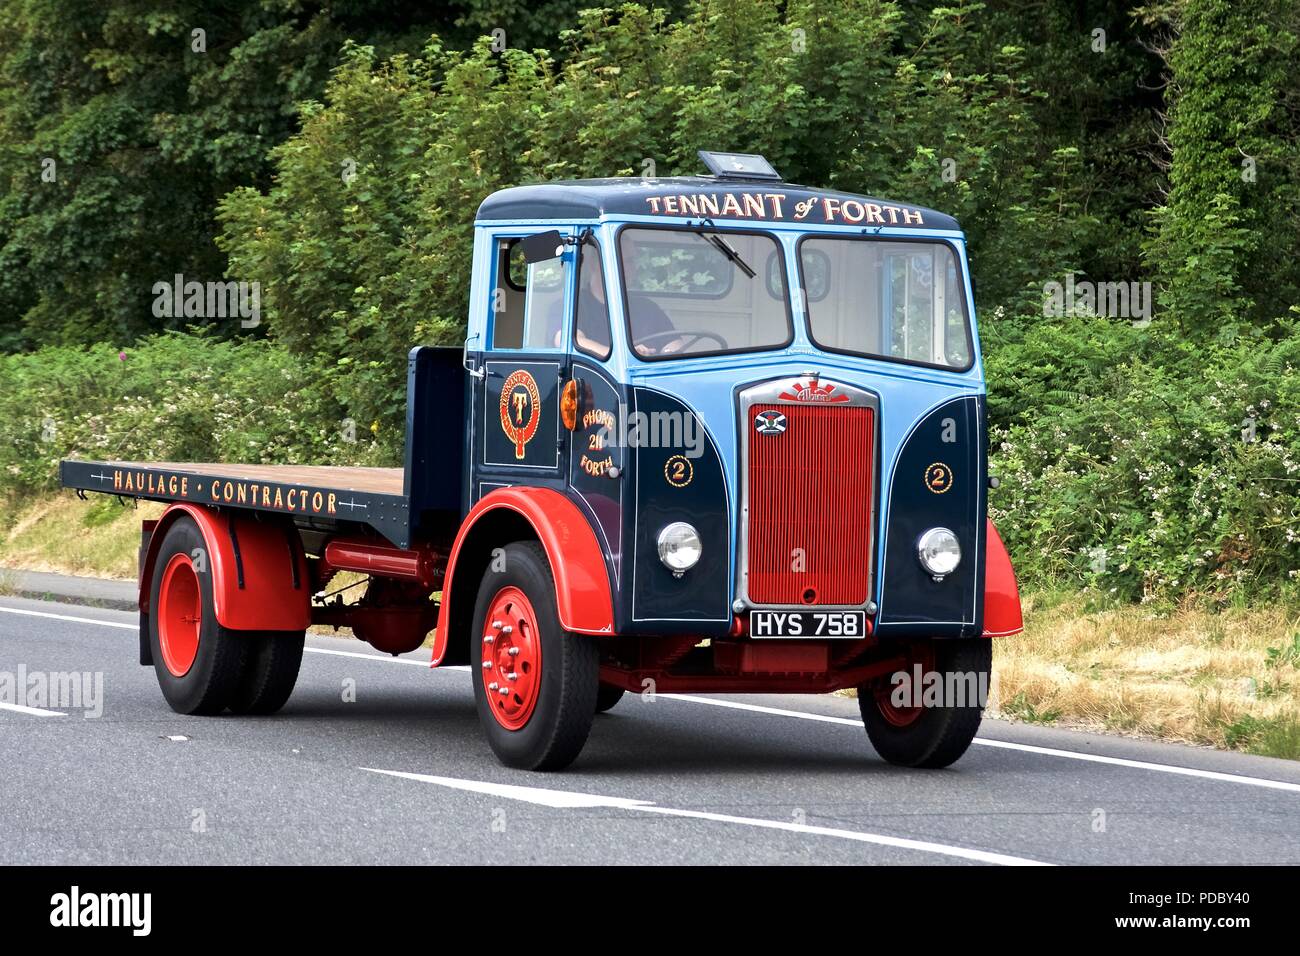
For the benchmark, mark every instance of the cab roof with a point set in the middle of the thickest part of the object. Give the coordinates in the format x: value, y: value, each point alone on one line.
x: 699, y: 197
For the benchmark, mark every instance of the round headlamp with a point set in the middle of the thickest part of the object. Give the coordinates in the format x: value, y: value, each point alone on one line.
x: 939, y: 552
x: 679, y: 547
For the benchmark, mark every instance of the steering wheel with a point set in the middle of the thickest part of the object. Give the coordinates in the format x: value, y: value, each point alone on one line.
x: 695, y: 335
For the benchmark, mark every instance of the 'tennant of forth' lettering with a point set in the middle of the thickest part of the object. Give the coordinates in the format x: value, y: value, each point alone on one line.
x: 767, y: 205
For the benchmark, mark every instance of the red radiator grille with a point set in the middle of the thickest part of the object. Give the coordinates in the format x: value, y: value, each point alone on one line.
x: 810, y: 500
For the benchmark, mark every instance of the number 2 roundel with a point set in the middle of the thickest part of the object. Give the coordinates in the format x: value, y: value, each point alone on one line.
x: 938, y: 477
x: 521, y: 405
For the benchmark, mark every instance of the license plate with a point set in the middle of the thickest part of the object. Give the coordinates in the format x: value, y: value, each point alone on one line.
x: 807, y: 623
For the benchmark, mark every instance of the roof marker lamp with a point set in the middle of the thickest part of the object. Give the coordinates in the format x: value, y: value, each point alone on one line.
x: 939, y: 552
x: 679, y: 547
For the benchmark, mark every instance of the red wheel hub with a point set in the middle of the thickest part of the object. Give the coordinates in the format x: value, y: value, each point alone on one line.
x: 512, y: 658
x: 180, y: 615
x: 920, y: 653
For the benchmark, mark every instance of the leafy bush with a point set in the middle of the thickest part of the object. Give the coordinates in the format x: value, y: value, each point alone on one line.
x: 176, y: 397
x: 1149, y: 466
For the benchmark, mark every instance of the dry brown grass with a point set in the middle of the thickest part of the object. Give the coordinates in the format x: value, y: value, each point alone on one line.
x: 99, y: 537
x: 1225, y: 679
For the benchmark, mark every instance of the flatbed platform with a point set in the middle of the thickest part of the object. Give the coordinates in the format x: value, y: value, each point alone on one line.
x: 377, y: 481
x: 375, y: 497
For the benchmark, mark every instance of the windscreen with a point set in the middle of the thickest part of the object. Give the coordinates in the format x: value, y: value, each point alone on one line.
x: 890, y: 299
x: 692, y: 292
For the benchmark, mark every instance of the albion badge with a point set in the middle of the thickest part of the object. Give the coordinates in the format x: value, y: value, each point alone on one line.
x: 521, y: 406
x: 813, y: 391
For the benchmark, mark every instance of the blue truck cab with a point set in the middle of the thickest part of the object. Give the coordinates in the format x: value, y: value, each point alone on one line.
x: 718, y: 433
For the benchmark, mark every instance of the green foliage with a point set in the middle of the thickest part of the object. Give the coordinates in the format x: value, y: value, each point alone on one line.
x: 1284, y: 655
x: 1150, y: 467
x: 147, y: 125
x: 1234, y: 183
x: 1269, y: 737
x: 1023, y: 709
x: 250, y: 402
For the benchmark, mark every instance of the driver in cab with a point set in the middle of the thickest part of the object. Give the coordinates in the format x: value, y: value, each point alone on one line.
x: 652, y: 330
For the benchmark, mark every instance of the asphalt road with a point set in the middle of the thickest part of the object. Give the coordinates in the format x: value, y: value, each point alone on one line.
x: 401, y: 774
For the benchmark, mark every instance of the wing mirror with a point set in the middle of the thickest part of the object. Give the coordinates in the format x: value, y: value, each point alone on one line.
x: 541, y: 247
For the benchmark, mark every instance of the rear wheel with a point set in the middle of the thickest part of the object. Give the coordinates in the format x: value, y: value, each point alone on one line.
x: 270, y: 671
x: 907, y: 726
x: 535, y: 683
x: 198, y: 662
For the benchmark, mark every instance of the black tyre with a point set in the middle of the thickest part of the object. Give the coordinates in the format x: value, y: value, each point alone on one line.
x: 198, y: 662
x: 535, y: 683
x: 930, y: 736
x: 270, y: 671
x: 607, y: 696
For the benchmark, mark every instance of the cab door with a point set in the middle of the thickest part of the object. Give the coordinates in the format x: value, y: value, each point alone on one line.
x: 517, y: 437
x: 597, y: 464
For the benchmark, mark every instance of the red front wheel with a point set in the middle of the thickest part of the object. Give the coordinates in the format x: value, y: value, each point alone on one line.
x: 535, y: 683
x: 931, y: 721
x: 511, y: 651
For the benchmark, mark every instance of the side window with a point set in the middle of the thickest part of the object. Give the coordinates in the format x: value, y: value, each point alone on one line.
x: 528, y: 301
x: 591, y: 324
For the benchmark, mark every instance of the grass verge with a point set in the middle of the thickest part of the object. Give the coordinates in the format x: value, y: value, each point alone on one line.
x: 1228, y: 679
x: 99, y: 537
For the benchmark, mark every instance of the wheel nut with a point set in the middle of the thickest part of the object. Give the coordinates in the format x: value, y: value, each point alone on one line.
x: 513, y: 652
x: 496, y: 625
x: 493, y: 686
x: 487, y: 665
x: 504, y: 691
x: 512, y: 676
x: 488, y: 639
x: 507, y: 629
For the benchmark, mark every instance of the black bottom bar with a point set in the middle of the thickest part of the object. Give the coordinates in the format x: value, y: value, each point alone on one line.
x: 980, y: 907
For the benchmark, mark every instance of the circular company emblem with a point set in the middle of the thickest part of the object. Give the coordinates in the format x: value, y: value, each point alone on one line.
x: 521, y: 407
x: 679, y: 471
x: 769, y: 422
x: 938, y: 477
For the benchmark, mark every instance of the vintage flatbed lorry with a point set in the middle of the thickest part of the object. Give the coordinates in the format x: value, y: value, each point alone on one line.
x: 717, y: 433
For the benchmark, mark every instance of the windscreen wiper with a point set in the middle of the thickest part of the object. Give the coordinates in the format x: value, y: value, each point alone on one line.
x: 724, y: 247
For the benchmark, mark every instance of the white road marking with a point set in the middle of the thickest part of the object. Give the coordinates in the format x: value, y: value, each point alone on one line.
x: 385, y: 658
x: 559, y: 799
x: 362, y: 654
x: 69, y: 617
x: 568, y: 800
x: 804, y: 715
x: 1142, y: 765
x: 1008, y: 745
x: 136, y: 627
x: 31, y: 711
x: 756, y: 708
